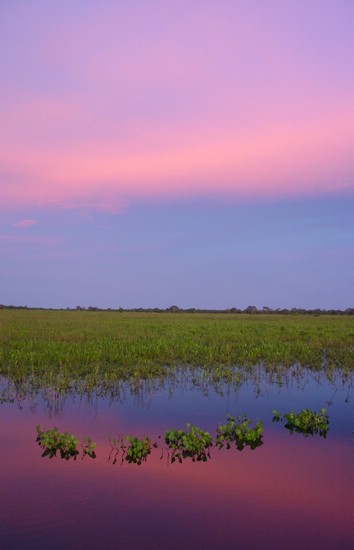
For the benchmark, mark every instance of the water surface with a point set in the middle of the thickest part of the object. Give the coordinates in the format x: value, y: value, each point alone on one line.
x: 292, y: 492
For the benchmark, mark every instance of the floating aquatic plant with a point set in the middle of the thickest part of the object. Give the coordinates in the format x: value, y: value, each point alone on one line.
x: 307, y: 422
x: 53, y: 441
x: 137, y: 450
x: 134, y: 450
x: 193, y: 443
x: 88, y: 447
x: 239, y: 432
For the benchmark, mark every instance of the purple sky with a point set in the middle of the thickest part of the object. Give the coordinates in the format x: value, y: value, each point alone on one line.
x: 198, y: 153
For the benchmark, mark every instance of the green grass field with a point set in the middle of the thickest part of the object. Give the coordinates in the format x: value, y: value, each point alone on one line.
x: 107, y: 346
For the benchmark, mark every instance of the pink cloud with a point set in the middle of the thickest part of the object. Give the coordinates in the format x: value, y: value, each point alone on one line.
x: 290, y: 158
x: 23, y: 224
x: 174, y: 102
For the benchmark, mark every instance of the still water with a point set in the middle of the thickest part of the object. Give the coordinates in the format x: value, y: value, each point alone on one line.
x: 293, y: 492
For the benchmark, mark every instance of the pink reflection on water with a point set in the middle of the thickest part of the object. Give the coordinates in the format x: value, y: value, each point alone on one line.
x: 292, y: 492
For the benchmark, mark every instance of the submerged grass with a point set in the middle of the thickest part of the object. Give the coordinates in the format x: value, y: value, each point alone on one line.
x: 104, y: 347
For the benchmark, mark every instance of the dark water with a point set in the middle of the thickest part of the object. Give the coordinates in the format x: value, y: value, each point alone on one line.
x: 292, y: 492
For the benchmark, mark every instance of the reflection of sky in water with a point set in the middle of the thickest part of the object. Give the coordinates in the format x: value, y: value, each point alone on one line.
x: 293, y: 492
x: 163, y: 404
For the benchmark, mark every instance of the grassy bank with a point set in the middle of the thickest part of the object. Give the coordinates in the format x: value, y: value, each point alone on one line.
x: 108, y: 346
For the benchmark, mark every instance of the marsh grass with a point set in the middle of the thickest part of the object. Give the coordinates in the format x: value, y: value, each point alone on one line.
x: 100, y: 349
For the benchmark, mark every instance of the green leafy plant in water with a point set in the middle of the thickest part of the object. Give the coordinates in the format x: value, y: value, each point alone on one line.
x: 52, y: 441
x: 239, y: 432
x: 138, y: 449
x: 307, y: 422
x: 88, y: 447
x: 194, y: 443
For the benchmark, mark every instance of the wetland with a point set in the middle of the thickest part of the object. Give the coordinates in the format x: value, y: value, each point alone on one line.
x: 169, y: 429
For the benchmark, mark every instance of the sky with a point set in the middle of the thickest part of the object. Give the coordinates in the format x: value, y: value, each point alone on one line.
x: 195, y: 153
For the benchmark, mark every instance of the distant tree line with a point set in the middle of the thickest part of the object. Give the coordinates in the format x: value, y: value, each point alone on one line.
x: 253, y: 310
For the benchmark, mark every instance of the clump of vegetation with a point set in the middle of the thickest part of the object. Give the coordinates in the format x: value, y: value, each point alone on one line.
x: 52, y: 441
x: 88, y: 447
x: 138, y: 449
x: 193, y: 443
x: 307, y: 422
x: 66, y: 443
x: 239, y: 432
x: 134, y: 450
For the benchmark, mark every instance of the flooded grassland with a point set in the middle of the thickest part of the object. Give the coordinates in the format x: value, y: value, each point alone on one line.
x: 163, y: 430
